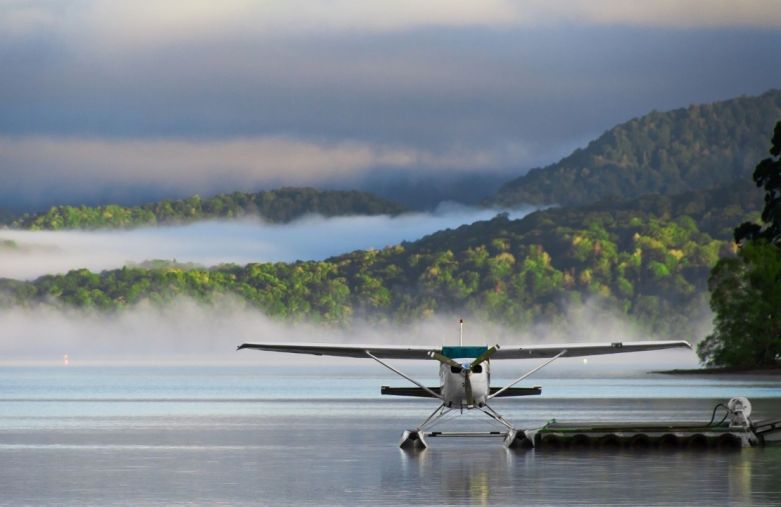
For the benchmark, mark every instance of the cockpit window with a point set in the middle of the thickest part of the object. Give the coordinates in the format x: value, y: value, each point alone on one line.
x: 477, y: 369
x: 455, y: 369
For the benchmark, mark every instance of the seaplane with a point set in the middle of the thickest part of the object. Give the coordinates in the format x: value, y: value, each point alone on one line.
x: 464, y: 376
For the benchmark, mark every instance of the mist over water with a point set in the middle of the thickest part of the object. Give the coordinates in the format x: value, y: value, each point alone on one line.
x: 213, y: 242
x: 187, y: 332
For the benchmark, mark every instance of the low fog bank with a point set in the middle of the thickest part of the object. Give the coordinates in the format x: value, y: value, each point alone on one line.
x: 35, y: 253
x: 186, y: 332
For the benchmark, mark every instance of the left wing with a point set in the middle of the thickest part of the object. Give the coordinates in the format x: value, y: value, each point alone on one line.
x: 583, y: 349
x: 329, y: 349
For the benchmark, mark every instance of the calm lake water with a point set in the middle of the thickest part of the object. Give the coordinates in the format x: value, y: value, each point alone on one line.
x: 298, y: 435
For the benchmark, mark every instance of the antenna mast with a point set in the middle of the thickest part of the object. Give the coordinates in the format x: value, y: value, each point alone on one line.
x: 461, y: 332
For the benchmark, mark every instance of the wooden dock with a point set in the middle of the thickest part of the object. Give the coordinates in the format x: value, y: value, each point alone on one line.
x: 641, y: 436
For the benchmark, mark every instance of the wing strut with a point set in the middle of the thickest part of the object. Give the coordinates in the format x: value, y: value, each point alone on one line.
x: 397, y: 372
x: 546, y: 363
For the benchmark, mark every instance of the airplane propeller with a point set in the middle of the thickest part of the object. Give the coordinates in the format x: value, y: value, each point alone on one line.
x: 484, y: 356
x: 444, y: 359
x: 465, y: 369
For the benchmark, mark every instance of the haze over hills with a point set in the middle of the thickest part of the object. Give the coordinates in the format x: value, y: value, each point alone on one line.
x: 275, y: 206
x: 647, y: 259
x: 28, y: 254
x: 698, y: 147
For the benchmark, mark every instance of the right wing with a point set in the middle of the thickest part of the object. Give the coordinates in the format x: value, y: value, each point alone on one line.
x: 583, y: 349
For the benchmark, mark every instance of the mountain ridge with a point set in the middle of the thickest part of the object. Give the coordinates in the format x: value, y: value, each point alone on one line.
x: 694, y: 148
x: 281, y: 205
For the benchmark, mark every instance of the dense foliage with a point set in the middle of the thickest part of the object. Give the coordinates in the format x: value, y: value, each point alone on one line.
x: 699, y: 147
x: 746, y: 290
x: 767, y: 175
x: 746, y: 298
x: 648, y: 258
x: 282, y: 205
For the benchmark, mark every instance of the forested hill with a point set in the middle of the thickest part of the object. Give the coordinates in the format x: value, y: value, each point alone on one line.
x: 279, y: 206
x: 714, y: 212
x: 699, y: 147
x: 647, y: 258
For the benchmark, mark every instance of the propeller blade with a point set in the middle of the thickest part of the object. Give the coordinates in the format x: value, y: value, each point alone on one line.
x: 484, y: 356
x: 470, y: 399
x: 444, y: 359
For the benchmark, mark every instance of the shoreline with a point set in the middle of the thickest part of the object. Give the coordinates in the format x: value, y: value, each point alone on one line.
x: 770, y: 371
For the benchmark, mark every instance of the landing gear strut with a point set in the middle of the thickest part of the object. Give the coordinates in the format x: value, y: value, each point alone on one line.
x: 513, y: 438
x: 415, y: 439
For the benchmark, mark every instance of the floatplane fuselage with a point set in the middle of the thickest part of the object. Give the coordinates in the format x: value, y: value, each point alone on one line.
x: 454, y: 388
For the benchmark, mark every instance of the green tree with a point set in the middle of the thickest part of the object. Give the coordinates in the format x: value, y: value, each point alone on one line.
x: 767, y: 175
x: 746, y: 290
x: 746, y: 297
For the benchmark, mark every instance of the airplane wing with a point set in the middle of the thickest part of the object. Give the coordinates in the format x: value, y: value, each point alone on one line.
x: 504, y: 352
x: 583, y: 349
x: 329, y: 349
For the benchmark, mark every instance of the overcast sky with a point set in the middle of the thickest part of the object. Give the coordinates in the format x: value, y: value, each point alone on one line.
x: 104, y: 100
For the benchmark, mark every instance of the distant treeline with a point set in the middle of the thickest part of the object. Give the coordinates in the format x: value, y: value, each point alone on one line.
x: 278, y: 206
x: 649, y: 258
x: 699, y: 147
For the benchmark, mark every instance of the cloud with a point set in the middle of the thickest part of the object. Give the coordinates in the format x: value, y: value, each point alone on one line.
x: 654, y: 13
x: 249, y: 160
x: 33, y: 166
x: 503, y: 13
x: 209, y: 243
x: 134, y: 25
x: 433, y: 89
x: 188, y: 332
x: 102, y: 99
x: 178, y: 20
